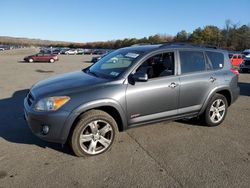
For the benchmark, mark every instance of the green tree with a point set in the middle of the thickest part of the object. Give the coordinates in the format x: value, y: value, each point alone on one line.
x: 181, y: 36
x: 197, y: 36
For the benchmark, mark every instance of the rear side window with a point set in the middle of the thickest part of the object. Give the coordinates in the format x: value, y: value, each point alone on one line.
x: 192, y: 61
x: 216, y: 59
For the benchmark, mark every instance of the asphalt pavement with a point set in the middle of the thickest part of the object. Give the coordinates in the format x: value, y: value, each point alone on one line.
x: 167, y: 154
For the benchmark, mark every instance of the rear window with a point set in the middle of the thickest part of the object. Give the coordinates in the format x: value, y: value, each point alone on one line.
x: 192, y: 61
x: 216, y: 59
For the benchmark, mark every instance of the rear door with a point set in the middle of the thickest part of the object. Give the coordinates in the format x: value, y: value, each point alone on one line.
x: 196, y: 80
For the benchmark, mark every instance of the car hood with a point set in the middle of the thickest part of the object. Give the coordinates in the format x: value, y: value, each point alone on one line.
x: 65, y: 83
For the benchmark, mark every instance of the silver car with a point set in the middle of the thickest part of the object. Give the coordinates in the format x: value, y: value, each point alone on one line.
x: 130, y: 87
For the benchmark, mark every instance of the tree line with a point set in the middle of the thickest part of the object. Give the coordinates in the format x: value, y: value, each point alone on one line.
x: 232, y: 37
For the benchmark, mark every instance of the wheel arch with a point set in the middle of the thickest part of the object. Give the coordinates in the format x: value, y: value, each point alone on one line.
x: 109, y: 106
x: 225, y: 91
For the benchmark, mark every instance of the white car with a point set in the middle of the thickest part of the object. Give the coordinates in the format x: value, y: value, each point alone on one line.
x: 71, y: 52
x: 247, y: 53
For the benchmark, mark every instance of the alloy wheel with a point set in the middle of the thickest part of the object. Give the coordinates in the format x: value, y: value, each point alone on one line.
x: 96, y: 137
x: 217, y: 111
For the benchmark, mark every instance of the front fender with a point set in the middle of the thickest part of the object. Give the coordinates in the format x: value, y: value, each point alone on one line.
x: 88, y: 106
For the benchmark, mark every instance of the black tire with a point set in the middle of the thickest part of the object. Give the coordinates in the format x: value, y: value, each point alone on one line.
x: 207, y: 115
x: 83, y: 124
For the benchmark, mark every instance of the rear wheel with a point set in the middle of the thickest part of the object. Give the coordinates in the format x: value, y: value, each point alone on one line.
x: 216, y: 110
x: 94, y: 133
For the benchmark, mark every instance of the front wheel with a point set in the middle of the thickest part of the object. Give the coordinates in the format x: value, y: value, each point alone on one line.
x: 216, y: 110
x: 31, y: 60
x: 94, y: 133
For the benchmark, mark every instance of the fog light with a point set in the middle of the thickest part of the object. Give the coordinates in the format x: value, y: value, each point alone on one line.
x: 45, y: 129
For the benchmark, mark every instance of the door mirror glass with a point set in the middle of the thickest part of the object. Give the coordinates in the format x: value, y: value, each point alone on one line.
x: 140, y: 77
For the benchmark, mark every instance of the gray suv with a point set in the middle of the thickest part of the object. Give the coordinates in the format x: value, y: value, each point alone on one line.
x: 130, y: 87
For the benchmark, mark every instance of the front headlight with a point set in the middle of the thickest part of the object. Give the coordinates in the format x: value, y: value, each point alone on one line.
x: 51, y: 103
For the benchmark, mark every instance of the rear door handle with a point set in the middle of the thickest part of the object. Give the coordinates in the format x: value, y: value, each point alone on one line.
x: 212, y: 79
x: 173, y: 85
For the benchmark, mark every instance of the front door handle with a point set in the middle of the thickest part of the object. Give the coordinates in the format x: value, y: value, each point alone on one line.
x: 173, y: 85
x: 212, y: 79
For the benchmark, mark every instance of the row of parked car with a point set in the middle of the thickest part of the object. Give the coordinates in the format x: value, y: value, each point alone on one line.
x: 73, y: 51
x: 46, y: 55
x: 9, y: 47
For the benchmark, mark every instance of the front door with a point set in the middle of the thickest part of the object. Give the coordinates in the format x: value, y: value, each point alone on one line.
x: 158, y: 97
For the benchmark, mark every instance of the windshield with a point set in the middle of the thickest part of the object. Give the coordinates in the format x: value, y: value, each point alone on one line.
x: 114, y: 64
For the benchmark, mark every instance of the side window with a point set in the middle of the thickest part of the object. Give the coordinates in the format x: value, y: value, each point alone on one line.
x: 158, y: 65
x: 216, y: 59
x: 192, y: 61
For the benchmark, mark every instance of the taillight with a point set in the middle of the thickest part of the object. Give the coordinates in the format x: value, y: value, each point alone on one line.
x: 236, y: 72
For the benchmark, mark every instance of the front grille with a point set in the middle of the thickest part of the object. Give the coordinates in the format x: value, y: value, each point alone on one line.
x: 30, y: 99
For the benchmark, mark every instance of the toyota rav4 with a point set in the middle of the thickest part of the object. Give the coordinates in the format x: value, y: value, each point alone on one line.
x: 129, y: 87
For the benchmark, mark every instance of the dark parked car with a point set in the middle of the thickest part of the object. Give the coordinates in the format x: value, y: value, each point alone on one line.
x: 41, y: 58
x: 130, y: 87
x: 245, y: 65
x: 56, y: 51
x: 97, y: 58
x: 98, y: 52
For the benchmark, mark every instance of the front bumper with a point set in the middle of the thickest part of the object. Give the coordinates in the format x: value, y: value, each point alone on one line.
x: 55, y: 120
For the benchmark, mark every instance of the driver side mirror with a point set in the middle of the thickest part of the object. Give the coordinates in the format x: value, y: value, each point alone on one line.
x: 140, y: 77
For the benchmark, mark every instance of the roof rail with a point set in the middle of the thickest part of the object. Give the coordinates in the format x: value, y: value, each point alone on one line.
x: 141, y: 44
x: 186, y: 44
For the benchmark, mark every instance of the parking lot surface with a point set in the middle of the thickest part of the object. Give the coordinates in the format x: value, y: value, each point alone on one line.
x: 167, y: 154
